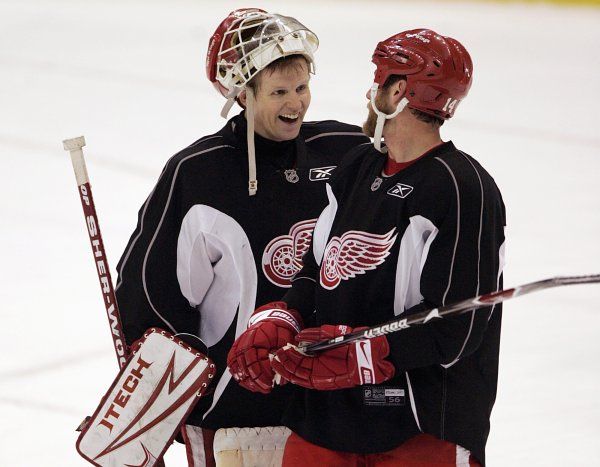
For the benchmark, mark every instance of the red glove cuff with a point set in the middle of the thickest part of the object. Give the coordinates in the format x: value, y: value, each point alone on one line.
x: 278, y: 312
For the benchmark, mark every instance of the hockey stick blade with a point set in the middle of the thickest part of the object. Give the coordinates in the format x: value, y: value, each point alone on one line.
x: 463, y: 306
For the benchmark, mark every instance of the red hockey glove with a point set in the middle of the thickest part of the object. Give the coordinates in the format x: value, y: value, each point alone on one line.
x: 249, y: 360
x: 361, y: 362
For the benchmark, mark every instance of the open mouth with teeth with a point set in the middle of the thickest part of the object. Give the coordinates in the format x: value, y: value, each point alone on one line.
x: 289, y: 118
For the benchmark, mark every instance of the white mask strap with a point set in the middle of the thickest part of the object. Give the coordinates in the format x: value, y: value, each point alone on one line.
x: 231, y: 96
x: 252, y: 182
x: 382, y: 117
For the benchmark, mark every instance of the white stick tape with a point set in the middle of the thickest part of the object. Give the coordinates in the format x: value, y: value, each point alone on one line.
x: 74, y: 146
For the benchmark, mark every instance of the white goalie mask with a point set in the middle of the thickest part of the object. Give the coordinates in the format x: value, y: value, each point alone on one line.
x: 244, y: 44
x: 248, y: 41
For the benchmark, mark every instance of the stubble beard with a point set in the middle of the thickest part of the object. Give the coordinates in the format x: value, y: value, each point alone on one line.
x: 368, y: 127
x: 371, y: 122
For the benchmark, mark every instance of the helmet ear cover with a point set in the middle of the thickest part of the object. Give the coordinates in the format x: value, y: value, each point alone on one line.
x: 438, y: 70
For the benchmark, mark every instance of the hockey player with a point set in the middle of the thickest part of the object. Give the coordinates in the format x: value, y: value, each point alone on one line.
x: 420, y: 227
x: 232, y: 214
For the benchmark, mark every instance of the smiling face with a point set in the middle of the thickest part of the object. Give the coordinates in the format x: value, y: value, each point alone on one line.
x: 282, y: 98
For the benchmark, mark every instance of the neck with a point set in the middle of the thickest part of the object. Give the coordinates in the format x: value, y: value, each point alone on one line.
x: 407, y: 138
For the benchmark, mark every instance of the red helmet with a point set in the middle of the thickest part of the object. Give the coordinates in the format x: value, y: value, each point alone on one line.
x: 248, y: 40
x: 438, y: 69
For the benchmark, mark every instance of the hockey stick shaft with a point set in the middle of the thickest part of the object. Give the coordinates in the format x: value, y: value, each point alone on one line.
x: 463, y: 306
x: 74, y: 146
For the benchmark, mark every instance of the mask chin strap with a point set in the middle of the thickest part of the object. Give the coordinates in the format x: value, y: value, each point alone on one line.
x: 231, y: 96
x: 382, y: 117
x: 252, y: 182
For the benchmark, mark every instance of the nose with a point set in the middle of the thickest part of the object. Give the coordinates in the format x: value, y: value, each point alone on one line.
x: 368, y: 95
x: 294, y: 103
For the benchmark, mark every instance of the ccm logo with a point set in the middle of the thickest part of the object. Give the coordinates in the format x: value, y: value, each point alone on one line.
x: 124, y: 394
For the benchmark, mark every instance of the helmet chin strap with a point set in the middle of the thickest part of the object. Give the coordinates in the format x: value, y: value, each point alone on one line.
x: 252, y: 182
x: 382, y: 117
x: 231, y: 96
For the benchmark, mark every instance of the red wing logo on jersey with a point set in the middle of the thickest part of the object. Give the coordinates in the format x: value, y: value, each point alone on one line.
x: 282, y: 257
x: 353, y: 254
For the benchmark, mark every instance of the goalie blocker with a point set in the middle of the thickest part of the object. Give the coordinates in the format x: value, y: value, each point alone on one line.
x: 147, y: 403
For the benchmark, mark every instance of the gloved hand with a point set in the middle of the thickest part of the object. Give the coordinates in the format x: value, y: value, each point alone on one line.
x: 354, y: 364
x: 249, y: 360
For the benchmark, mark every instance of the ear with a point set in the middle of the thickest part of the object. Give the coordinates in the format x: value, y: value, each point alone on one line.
x: 242, y: 98
x: 397, y: 91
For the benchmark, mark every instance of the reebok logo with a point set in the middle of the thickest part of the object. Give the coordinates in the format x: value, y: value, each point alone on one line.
x: 400, y: 190
x: 320, y: 173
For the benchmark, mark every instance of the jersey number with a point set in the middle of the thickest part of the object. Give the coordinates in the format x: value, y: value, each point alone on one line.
x: 449, y: 105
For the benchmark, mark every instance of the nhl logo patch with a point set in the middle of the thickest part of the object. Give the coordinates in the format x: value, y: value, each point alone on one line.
x: 400, y: 190
x: 291, y: 176
x: 376, y: 183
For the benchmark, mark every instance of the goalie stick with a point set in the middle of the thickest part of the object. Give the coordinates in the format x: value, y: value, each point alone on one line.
x: 155, y: 439
x: 74, y: 146
x: 463, y: 306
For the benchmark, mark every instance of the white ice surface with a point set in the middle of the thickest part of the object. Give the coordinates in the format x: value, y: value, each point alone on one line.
x: 129, y: 75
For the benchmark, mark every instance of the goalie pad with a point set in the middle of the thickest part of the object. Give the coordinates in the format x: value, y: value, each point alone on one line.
x: 250, y: 447
x: 147, y: 403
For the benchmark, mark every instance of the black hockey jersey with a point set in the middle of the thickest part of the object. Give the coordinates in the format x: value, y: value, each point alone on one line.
x: 205, y: 252
x: 429, y: 235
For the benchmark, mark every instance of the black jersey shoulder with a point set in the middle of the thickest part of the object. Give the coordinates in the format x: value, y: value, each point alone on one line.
x: 355, y: 163
x: 464, y: 171
x: 455, y: 175
x: 207, y: 151
x: 332, y: 137
x: 361, y: 155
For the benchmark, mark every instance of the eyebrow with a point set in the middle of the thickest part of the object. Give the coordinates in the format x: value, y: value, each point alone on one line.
x: 286, y: 85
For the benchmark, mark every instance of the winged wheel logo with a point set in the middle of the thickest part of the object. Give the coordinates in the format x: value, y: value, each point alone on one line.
x: 354, y: 253
x: 282, y: 257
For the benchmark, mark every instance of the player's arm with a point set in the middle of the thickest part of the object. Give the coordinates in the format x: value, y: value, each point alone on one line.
x: 147, y: 290
x: 464, y: 259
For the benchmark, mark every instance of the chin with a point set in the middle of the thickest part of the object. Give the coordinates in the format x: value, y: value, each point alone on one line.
x: 285, y: 134
x: 368, y: 126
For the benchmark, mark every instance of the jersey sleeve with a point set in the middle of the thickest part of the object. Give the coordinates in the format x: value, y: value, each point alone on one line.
x: 147, y: 290
x: 175, y: 271
x: 464, y: 259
